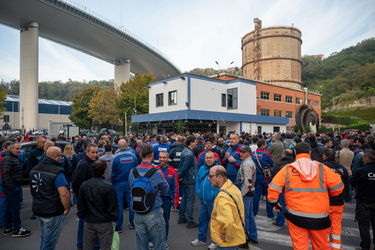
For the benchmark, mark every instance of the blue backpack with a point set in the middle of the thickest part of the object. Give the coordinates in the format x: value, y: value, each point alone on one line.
x: 141, y: 192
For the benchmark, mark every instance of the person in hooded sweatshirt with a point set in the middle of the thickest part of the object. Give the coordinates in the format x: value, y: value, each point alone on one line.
x: 307, y: 186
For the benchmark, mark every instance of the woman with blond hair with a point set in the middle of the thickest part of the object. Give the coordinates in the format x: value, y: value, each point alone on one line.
x: 73, y: 158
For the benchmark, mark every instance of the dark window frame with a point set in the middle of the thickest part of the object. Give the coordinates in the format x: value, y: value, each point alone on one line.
x: 160, y: 100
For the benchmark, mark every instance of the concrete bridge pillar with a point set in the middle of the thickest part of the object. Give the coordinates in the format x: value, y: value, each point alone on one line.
x: 122, y: 72
x: 28, y: 105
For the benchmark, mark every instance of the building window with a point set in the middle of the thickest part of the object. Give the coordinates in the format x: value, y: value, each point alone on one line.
x: 259, y: 129
x: 316, y: 104
x: 289, y: 114
x: 276, y: 129
x: 172, y: 97
x: 298, y: 100
x: 308, y: 102
x: 277, y: 113
x: 265, y: 95
x: 288, y: 99
x: 277, y: 97
x: 265, y: 112
x: 159, y: 100
x: 223, y: 100
x: 232, y: 98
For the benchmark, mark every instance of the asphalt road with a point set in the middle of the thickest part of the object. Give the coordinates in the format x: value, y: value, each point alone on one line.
x: 270, y: 237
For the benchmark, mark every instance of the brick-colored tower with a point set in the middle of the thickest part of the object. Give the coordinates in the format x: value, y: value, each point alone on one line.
x: 273, y: 55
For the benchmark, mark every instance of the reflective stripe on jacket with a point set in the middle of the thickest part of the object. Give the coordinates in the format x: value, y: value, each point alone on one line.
x: 307, y: 200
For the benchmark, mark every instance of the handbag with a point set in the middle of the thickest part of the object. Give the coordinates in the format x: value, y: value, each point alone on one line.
x: 248, y: 240
x: 266, y: 170
x: 115, y: 239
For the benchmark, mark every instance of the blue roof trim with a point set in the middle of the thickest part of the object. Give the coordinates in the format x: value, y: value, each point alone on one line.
x: 207, y: 115
x: 40, y: 101
x: 205, y: 79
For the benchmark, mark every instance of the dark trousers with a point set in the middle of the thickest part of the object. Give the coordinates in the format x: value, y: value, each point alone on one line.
x: 95, y: 231
x: 12, y: 212
x: 167, y: 203
x: 365, y: 214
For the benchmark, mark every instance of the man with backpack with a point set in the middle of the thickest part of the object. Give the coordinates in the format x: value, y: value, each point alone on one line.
x: 147, y: 184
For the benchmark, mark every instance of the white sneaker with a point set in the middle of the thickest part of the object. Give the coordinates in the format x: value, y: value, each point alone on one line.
x: 212, y: 246
x: 197, y: 242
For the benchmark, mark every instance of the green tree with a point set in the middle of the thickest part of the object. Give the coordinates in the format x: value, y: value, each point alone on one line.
x: 80, y: 107
x: 2, y: 102
x: 133, y: 96
x: 102, y: 107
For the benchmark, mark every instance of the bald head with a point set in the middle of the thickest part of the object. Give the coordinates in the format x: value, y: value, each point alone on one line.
x: 40, y: 141
x: 53, y: 150
x: 218, y: 176
x: 47, y: 145
x: 220, y: 170
x: 122, y: 144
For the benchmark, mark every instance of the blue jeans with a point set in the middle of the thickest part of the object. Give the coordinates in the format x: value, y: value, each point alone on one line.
x: 187, y: 203
x: 249, y: 218
x: 123, y: 190
x: 205, y: 211
x: 280, y: 217
x: 3, y: 205
x: 12, y: 212
x: 261, y: 186
x: 167, y: 203
x: 150, y: 226
x: 51, y: 228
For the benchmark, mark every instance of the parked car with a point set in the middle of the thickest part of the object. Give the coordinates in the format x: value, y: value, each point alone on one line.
x: 27, y: 147
x: 89, y: 133
x: 10, y: 132
x: 108, y: 131
x: 40, y: 132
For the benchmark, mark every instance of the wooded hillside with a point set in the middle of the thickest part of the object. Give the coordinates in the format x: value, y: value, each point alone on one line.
x: 344, y: 76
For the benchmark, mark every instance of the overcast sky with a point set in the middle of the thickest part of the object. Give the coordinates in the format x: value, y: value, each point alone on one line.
x: 196, y: 33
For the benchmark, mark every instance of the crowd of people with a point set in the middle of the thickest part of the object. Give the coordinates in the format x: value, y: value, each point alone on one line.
x: 306, y: 179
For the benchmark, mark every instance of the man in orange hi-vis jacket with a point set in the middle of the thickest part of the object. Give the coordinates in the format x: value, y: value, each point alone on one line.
x: 307, y: 187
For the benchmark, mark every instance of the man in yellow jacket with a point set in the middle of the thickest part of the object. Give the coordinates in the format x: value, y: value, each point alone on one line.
x: 307, y: 186
x: 226, y: 227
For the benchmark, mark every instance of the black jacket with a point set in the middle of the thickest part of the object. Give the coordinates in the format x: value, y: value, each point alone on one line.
x: 83, y: 173
x: 175, y: 155
x: 364, y: 178
x: 97, y: 201
x: 341, y: 170
x: 46, y: 197
x: 284, y: 161
x: 34, y: 157
x: 12, y: 172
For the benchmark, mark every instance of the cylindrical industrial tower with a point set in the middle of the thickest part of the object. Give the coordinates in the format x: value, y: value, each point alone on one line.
x: 273, y: 55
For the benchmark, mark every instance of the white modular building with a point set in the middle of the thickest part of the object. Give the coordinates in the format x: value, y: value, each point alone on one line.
x: 205, y: 104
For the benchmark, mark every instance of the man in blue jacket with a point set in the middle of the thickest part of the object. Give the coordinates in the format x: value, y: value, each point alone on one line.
x: 171, y: 198
x: 232, y: 157
x: 151, y: 226
x: 262, y: 160
x: 187, y: 172
x: 206, y: 193
x: 123, y: 163
x: 162, y: 147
